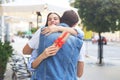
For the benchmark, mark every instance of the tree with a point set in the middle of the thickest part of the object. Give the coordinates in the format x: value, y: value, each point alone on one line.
x: 99, y: 16
x: 5, y: 52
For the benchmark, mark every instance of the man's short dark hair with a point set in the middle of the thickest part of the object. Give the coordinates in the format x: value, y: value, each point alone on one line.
x: 69, y: 17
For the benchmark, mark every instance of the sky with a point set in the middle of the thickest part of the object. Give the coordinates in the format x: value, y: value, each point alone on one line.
x: 55, y: 2
x: 38, y: 0
x: 59, y: 4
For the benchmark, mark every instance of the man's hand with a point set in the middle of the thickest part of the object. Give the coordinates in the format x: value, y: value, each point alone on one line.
x: 27, y: 50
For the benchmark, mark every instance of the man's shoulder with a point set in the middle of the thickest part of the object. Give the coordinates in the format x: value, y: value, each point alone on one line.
x: 64, y: 25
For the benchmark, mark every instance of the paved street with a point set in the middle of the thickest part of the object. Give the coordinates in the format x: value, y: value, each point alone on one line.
x: 93, y: 71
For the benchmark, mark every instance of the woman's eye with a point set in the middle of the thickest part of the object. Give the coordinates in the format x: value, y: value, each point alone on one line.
x: 55, y: 18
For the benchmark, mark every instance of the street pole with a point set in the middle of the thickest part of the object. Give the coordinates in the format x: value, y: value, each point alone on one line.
x: 38, y: 18
x: 119, y: 35
x: 7, y: 32
x: 100, y: 49
x: 2, y: 28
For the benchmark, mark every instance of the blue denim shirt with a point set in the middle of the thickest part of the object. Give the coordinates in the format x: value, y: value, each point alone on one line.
x: 63, y: 65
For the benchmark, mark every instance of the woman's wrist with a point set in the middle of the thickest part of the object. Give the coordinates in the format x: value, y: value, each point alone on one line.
x: 57, y: 29
x: 43, y: 56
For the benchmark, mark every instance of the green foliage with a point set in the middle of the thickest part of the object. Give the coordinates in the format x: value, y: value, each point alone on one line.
x: 33, y: 30
x: 5, y: 51
x: 20, y: 33
x: 99, y: 15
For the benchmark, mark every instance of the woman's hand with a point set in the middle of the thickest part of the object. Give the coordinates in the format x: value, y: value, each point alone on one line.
x: 50, y: 29
x: 50, y: 51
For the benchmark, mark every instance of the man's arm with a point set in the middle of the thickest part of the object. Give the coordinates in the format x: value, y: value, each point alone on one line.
x: 27, y: 49
x: 32, y: 44
x: 80, y: 68
x: 80, y: 65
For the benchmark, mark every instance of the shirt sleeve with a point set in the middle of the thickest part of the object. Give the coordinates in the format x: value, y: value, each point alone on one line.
x: 31, y: 59
x: 80, y: 34
x: 82, y: 54
x: 34, y: 41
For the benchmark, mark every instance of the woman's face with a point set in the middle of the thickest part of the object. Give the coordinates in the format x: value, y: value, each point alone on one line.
x: 53, y: 19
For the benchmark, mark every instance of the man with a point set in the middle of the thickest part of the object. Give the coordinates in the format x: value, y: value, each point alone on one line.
x: 61, y: 66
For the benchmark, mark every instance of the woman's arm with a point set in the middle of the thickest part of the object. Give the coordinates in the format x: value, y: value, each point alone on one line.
x: 50, y: 51
x: 72, y: 30
x: 54, y: 28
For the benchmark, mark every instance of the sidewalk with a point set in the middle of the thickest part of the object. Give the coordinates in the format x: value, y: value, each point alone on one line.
x: 8, y: 73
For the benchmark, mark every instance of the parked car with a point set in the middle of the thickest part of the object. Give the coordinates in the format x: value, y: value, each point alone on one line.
x: 96, y: 39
